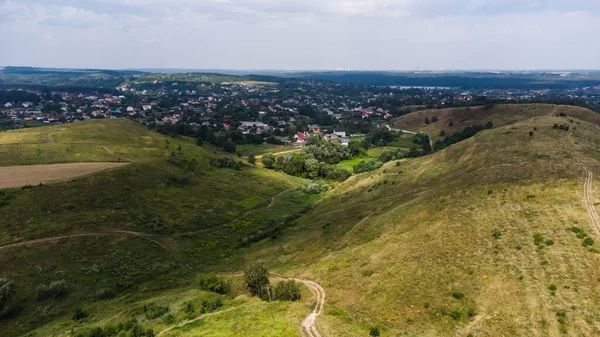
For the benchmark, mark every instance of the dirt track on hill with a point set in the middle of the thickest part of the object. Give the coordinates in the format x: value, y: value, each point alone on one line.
x: 19, y: 176
x: 588, y: 198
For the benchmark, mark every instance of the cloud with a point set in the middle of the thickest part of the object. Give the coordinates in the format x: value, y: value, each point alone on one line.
x: 300, y: 34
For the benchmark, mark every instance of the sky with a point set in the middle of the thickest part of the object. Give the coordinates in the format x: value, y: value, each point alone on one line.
x: 301, y: 34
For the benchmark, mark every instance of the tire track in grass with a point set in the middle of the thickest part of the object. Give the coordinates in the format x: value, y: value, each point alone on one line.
x: 587, y: 187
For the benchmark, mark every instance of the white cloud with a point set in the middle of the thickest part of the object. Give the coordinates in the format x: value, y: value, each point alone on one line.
x: 300, y: 34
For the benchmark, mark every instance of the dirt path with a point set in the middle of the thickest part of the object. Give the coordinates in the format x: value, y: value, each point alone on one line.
x: 587, y: 187
x: 280, y: 153
x: 50, y: 139
x: 307, y: 327
x: 114, y: 232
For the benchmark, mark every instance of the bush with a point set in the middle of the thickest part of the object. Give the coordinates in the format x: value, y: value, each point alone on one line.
x: 153, y: 311
x: 79, y: 314
x: 55, y: 290
x: 538, y: 239
x: 587, y: 242
x: 5, y: 196
x: 549, y: 242
x: 458, y: 295
x: 169, y: 319
x: 455, y: 314
x: 211, y: 282
x: 339, y: 174
x: 268, y: 160
x: 251, y: 159
x: 497, y: 234
x: 315, y: 188
x: 287, y: 291
x: 552, y: 287
x: 7, y: 292
x: 256, y: 277
x: 367, y: 166
x: 374, y: 332
x: 226, y: 162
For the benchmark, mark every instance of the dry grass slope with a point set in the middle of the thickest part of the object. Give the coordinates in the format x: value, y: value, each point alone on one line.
x: 392, y: 247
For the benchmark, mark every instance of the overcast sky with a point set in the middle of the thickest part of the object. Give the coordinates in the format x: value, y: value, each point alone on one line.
x: 301, y: 34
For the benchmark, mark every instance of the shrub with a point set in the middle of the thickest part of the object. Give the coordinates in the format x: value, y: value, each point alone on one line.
x: 7, y: 292
x: 153, y: 311
x: 169, y: 319
x: 211, y: 282
x: 226, y: 162
x: 538, y: 239
x: 256, y: 277
x: 552, y: 287
x: 458, y: 295
x: 455, y: 314
x: 251, y: 159
x: 587, y: 242
x: 268, y: 160
x: 210, y: 305
x: 5, y: 196
x: 555, y: 126
x: 315, y: 188
x: 549, y: 242
x: 79, y: 314
x: 367, y: 166
x: 105, y: 293
x: 374, y: 332
x: 497, y: 234
x: 54, y: 290
x: 287, y: 291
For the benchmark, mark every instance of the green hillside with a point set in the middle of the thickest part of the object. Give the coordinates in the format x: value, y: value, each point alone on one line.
x: 487, y: 237
x: 143, y: 227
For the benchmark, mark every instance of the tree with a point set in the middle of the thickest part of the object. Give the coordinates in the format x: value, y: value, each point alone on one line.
x: 211, y: 282
x: 434, y: 119
x: 7, y: 292
x: 251, y: 159
x: 268, y: 160
x: 229, y: 146
x: 530, y: 134
x: 287, y: 291
x: 256, y: 277
x: 427, y: 121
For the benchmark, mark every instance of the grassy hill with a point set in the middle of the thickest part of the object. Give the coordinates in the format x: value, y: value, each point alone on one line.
x: 456, y: 119
x: 476, y: 239
x: 143, y: 227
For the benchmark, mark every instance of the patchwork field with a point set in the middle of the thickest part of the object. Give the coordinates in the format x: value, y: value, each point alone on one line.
x: 28, y: 175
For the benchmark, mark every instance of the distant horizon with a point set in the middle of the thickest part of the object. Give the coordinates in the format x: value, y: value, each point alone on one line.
x: 184, y: 69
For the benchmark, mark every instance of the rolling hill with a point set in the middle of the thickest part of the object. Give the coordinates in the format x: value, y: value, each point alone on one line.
x: 144, y: 225
x: 493, y: 236
x: 455, y: 119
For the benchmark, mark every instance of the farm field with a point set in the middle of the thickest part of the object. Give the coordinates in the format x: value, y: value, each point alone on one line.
x: 19, y: 176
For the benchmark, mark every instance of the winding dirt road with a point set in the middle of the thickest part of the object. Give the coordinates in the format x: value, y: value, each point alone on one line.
x: 587, y: 187
x: 307, y: 327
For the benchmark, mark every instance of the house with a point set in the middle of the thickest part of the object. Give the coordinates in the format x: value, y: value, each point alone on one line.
x: 340, y: 133
x: 315, y: 129
x: 345, y: 141
x: 258, y: 127
x: 300, y: 137
x: 337, y: 116
x: 8, y: 105
x: 130, y: 109
x: 147, y: 107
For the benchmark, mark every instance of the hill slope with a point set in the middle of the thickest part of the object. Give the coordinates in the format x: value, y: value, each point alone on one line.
x: 473, y: 239
x: 145, y: 226
x: 456, y: 119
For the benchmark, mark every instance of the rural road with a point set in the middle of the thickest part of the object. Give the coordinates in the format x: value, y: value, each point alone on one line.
x: 587, y: 187
x: 307, y: 327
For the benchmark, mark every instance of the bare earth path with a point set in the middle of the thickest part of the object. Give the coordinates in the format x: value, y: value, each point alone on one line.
x: 587, y: 188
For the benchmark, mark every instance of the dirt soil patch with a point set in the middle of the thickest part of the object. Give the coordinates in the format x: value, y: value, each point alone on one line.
x: 19, y: 176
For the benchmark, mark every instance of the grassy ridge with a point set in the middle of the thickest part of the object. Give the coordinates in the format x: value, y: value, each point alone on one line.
x: 392, y: 247
x: 499, y: 115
